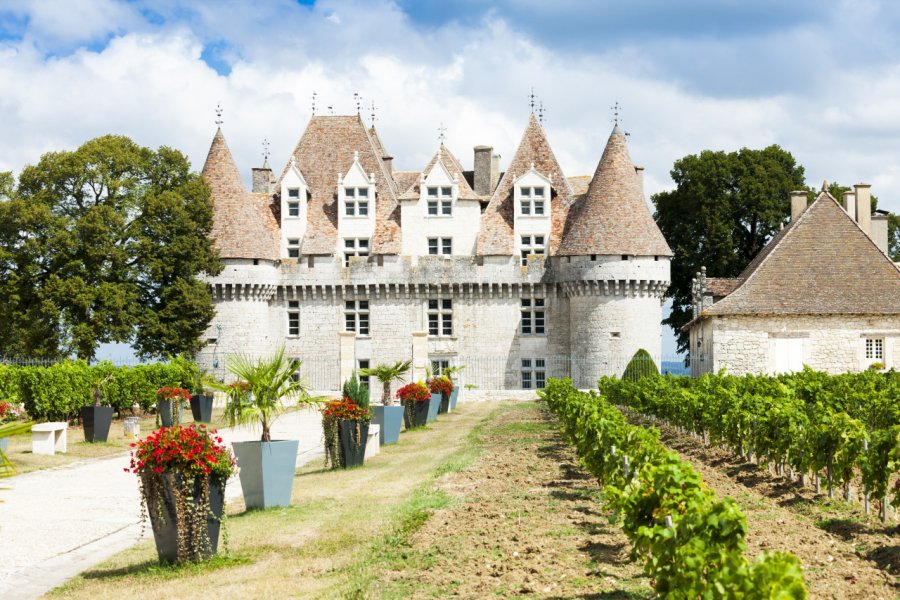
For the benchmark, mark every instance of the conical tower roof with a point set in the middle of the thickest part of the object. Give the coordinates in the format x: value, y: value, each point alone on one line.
x: 244, y: 225
x: 613, y: 217
x: 496, y: 236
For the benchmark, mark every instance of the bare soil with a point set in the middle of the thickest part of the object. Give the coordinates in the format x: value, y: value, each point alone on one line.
x: 527, y: 522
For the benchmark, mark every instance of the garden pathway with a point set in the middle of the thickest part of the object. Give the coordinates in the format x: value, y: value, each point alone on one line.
x: 58, y: 522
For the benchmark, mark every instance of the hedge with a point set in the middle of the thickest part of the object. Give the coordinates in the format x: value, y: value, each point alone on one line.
x: 57, y: 392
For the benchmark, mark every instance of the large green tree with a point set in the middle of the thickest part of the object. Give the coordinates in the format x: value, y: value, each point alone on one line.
x: 723, y: 210
x: 105, y: 244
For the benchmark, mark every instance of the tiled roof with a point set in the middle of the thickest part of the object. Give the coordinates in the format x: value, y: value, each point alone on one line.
x: 406, y: 180
x: 822, y: 263
x: 244, y: 225
x: 613, y: 217
x: 579, y: 185
x: 496, y: 236
x: 453, y: 167
x: 326, y: 149
x: 719, y: 287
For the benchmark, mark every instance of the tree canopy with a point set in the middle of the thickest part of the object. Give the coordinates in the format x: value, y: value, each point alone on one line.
x: 105, y: 244
x: 723, y: 210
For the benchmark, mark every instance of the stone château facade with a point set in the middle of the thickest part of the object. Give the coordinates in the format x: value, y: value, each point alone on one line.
x: 521, y: 275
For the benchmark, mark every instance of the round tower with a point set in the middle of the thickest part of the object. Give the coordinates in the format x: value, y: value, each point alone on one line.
x: 613, y: 265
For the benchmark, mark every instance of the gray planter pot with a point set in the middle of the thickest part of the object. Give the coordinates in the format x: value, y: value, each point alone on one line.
x: 267, y: 471
x: 354, y: 435
x: 454, y: 395
x: 201, y: 408
x: 96, y: 421
x: 433, y: 407
x: 164, y: 407
x: 389, y: 420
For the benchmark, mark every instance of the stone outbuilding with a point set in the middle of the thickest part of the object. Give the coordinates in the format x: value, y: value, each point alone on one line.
x: 822, y: 293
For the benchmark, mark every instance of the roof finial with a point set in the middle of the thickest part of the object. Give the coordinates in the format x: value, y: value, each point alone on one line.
x: 331, y: 109
x: 219, y: 114
x: 314, y: 103
x: 531, y: 98
x: 373, y: 113
x: 358, y: 99
x: 442, y: 131
x: 265, y: 153
x: 615, y: 108
x: 541, y: 112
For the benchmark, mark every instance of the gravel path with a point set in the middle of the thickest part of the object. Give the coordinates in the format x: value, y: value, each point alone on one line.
x: 58, y: 522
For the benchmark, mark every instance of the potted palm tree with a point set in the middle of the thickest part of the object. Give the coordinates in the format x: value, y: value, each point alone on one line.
x: 266, y: 466
x: 388, y: 416
x: 96, y: 418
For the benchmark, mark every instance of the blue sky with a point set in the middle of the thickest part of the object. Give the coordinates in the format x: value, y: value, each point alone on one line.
x: 822, y: 79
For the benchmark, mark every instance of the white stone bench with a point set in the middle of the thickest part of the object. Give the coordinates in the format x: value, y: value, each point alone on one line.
x: 49, y: 438
x: 373, y: 445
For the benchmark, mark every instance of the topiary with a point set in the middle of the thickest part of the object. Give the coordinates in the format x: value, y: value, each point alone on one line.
x: 640, y: 365
x: 356, y: 391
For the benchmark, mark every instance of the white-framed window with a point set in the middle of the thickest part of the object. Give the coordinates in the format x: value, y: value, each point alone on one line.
x: 875, y: 349
x: 534, y: 373
x: 533, y: 317
x: 356, y: 201
x: 440, y: 200
x: 355, y: 247
x: 440, y: 246
x: 438, y: 365
x: 440, y: 316
x: 356, y: 316
x: 293, y: 202
x: 360, y: 365
x: 532, y: 201
x: 293, y: 247
x: 293, y: 318
x: 531, y: 244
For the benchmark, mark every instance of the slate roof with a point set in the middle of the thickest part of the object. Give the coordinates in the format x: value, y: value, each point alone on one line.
x: 496, y: 235
x: 821, y: 263
x: 453, y: 167
x: 613, y: 217
x: 326, y: 149
x: 244, y: 224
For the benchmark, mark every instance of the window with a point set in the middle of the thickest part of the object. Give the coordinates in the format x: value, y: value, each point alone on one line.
x: 293, y: 248
x: 356, y: 316
x: 531, y: 201
x: 438, y: 365
x: 534, y: 373
x: 440, y: 246
x: 875, y: 349
x: 360, y: 365
x: 531, y: 244
x: 440, y: 201
x: 355, y: 247
x: 356, y: 202
x: 533, y: 316
x: 624, y: 257
x: 293, y: 208
x: 293, y: 317
x: 788, y: 355
x: 440, y: 317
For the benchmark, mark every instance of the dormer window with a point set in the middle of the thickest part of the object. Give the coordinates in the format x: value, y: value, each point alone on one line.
x: 531, y: 201
x: 293, y: 202
x: 356, y: 202
x: 440, y: 201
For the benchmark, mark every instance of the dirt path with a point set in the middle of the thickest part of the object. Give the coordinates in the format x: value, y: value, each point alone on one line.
x: 527, y: 522
x: 779, y: 518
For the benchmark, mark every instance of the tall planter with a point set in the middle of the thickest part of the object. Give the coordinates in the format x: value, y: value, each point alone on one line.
x: 266, y: 471
x: 445, y: 404
x: 164, y: 408
x: 353, y: 435
x: 389, y: 420
x: 166, y: 521
x: 201, y: 408
x: 433, y: 407
x: 96, y: 421
x: 416, y: 413
x: 454, y: 395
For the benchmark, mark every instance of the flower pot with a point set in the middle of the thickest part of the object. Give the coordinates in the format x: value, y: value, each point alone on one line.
x: 353, y: 435
x: 445, y: 404
x: 390, y: 420
x: 417, y: 414
x: 266, y: 471
x: 164, y: 408
x: 4, y: 444
x: 164, y: 519
x: 433, y: 407
x: 96, y: 421
x: 201, y: 408
x: 454, y: 395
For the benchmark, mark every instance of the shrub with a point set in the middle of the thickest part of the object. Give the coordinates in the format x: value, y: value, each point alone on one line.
x: 640, y: 365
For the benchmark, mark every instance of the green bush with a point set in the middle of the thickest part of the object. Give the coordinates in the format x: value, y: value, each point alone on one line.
x: 9, y: 384
x: 640, y: 365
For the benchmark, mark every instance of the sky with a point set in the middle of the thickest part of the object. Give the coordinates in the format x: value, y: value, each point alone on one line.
x: 819, y: 78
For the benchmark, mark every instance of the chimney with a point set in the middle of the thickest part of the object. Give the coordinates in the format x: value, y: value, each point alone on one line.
x: 483, y: 170
x: 880, y: 230
x: 850, y: 203
x: 639, y: 171
x: 798, y: 204
x: 864, y: 207
x: 263, y: 179
x: 388, y: 163
x: 495, y: 172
